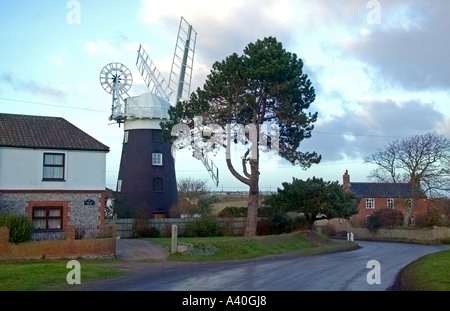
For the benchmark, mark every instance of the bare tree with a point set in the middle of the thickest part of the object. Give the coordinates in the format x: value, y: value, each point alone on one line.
x: 190, y: 189
x: 423, y: 161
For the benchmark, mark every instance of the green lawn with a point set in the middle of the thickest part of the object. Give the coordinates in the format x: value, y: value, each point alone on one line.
x: 429, y: 273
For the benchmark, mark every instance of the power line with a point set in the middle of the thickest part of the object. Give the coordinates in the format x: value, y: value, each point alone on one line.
x: 104, y: 111
x: 52, y: 105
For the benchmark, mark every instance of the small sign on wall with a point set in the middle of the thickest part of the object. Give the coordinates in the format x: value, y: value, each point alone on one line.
x: 89, y: 202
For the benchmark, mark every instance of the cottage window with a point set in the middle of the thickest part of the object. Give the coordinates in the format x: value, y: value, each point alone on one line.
x: 370, y: 203
x: 390, y: 203
x: 53, y: 166
x: 47, y: 217
x: 157, y: 159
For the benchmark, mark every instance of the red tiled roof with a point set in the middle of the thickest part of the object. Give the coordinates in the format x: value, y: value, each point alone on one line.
x: 28, y: 131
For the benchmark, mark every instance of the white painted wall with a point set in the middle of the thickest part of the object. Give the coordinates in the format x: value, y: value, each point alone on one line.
x: 21, y: 169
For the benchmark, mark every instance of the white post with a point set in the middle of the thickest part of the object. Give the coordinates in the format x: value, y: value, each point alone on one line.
x: 174, y: 238
x: 351, y: 236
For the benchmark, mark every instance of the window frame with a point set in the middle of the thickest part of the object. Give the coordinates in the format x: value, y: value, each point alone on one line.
x: 390, y: 203
x: 157, y: 159
x: 52, y: 165
x: 370, y: 203
x: 47, y: 217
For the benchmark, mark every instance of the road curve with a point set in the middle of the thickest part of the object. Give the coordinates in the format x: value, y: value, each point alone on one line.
x: 372, y: 267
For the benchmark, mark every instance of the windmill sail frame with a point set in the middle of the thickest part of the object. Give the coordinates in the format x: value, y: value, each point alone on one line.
x: 180, y: 79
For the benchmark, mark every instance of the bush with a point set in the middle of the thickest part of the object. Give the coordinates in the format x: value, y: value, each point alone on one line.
x: 141, y: 229
x: 20, y: 227
x: 433, y: 217
x: 280, y: 223
x: 233, y: 211
x: 384, y: 218
x: 203, y: 227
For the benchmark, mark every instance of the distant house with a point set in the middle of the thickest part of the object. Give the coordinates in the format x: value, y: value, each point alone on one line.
x: 51, y: 171
x: 374, y: 196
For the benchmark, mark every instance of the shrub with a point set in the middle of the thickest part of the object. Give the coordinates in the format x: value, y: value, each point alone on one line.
x: 20, y: 227
x: 384, y: 218
x: 233, y: 211
x: 141, y: 229
x: 299, y: 222
x: 433, y: 217
x: 279, y: 223
x: 202, y: 227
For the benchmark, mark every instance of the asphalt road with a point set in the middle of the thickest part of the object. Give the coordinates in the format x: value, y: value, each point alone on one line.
x: 372, y: 267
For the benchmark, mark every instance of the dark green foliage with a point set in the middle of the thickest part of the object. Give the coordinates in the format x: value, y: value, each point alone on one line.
x: 233, y: 211
x: 205, y: 203
x: 313, y: 198
x: 265, y: 84
x: 202, y: 227
x: 280, y: 223
x: 20, y: 227
x: 384, y: 218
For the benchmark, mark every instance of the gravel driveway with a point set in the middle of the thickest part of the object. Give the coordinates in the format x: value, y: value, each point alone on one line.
x: 136, y: 249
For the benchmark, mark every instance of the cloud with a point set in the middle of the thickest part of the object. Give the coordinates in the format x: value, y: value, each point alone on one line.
x: 409, y: 48
x: 56, y: 94
x: 359, y: 132
x: 227, y: 27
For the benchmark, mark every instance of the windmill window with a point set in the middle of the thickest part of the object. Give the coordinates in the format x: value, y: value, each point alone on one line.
x: 370, y: 203
x: 53, y: 166
x: 157, y: 159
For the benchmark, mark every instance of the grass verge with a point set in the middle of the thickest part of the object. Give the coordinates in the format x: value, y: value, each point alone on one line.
x: 229, y: 248
x: 47, y: 275
x: 429, y: 273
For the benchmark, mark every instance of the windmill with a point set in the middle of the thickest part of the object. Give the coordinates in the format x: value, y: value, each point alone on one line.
x: 146, y: 183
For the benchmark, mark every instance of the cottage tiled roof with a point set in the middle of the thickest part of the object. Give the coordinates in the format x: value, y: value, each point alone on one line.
x: 42, y: 132
x: 380, y: 190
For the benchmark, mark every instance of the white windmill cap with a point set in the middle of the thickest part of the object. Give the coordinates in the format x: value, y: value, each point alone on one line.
x: 148, y: 106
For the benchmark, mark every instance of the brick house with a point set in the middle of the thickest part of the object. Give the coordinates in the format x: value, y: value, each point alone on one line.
x: 374, y: 196
x: 53, y: 172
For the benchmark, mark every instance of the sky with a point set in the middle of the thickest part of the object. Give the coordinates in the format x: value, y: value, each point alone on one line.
x: 380, y: 69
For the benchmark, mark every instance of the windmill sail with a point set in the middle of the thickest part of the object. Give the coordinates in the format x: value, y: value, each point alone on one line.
x: 178, y: 88
x: 183, y: 59
x: 152, y: 77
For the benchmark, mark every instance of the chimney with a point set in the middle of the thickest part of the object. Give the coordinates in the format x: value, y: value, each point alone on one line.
x: 346, y: 181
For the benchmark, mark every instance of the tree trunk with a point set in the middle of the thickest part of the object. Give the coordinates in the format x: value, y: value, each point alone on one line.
x: 253, y: 200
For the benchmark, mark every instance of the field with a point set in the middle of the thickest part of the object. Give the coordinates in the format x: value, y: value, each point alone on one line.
x: 229, y: 200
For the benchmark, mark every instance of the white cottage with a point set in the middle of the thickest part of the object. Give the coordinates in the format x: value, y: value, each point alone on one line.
x: 53, y: 172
